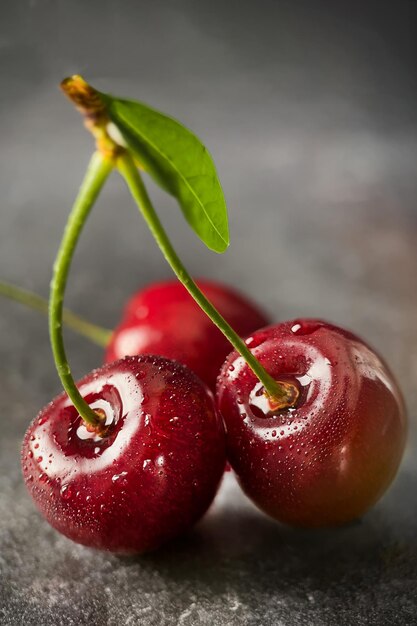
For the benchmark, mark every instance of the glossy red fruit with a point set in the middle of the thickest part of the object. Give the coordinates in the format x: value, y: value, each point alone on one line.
x: 330, y: 457
x: 164, y: 319
x: 153, y: 474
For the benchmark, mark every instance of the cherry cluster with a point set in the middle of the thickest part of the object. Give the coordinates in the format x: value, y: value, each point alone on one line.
x: 308, y: 416
x: 155, y: 467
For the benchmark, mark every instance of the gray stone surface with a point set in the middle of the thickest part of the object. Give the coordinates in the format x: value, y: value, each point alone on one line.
x: 310, y: 112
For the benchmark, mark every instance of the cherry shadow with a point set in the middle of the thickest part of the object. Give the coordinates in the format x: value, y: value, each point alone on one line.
x: 238, y: 548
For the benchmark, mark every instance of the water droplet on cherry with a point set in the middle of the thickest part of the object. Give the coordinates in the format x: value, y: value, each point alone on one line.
x: 305, y: 327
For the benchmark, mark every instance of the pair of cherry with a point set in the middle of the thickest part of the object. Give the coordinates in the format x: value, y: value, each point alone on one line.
x: 152, y: 467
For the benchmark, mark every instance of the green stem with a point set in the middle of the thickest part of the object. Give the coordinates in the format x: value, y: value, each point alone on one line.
x: 97, y: 173
x: 129, y: 171
x: 96, y: 334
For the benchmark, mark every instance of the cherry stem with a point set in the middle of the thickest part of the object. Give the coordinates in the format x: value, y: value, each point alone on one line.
x: 130, y: 173
x: 97, y: 173
x: 98, y: 335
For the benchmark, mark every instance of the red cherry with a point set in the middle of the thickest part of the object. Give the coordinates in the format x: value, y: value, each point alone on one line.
x: 150, y: 477
x: 164, y: 319
x: 330, y: 457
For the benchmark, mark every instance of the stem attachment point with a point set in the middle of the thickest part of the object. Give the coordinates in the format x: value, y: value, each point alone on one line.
x: 287, y: 400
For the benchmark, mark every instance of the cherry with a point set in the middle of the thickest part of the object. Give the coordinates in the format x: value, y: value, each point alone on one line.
x: 152, y: 472
x: 164, y: 319
x: 328, y: 458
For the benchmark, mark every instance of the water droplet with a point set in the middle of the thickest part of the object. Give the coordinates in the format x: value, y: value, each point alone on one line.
x: 254, y: 342
x: 116, y: 477
x: 66, y: 492
x: 305, y: 327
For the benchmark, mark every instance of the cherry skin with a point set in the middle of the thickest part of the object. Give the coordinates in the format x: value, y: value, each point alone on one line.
x: 329, y: 458
x: 164, y: 319
x: 153, y: 473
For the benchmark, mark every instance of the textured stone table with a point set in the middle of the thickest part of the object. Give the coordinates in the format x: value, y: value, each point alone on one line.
x: 311, y: 117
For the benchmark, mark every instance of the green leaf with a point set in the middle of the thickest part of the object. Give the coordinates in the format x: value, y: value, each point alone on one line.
x: 178, y: 161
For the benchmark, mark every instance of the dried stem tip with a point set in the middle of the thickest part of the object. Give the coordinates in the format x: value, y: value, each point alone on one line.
x: 86, y: 99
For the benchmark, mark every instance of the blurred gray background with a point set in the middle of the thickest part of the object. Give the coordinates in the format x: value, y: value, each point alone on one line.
x: 309, y: 110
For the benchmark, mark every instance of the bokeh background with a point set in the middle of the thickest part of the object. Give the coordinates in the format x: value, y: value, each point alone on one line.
x: 309, y: 110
